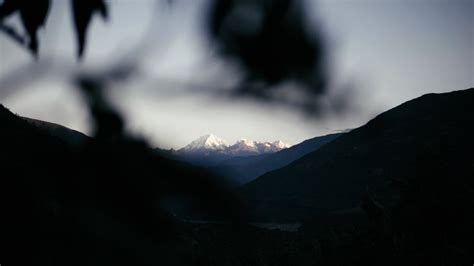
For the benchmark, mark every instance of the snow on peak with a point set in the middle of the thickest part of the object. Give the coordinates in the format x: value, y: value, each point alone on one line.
x: 280, y: 144
x: 269, y: 147
x: 247, y: 147
x: 245, y: 142
x: 243, y: 146
x: 209, y: 141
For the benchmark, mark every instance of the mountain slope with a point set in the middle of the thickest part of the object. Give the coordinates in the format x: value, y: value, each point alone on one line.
x: 244, y: 169
x: 21, y: 141
x: 68, y: 135
x: 423, y: 145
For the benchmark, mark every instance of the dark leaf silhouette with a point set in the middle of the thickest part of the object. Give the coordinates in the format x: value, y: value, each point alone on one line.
x: 33, y: 16
x: 270, y: 40
x: 83, y: 12
x: 9, y: 7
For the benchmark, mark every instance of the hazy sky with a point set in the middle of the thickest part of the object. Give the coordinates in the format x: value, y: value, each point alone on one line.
x: 382, y: 52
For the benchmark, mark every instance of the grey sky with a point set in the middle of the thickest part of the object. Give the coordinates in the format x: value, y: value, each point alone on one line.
x: 385, y: 52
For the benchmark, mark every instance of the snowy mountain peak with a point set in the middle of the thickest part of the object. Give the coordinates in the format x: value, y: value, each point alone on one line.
x: 280, y: 144
x: 208, y: 142
x: 243, y: 147
x: 245, y: 142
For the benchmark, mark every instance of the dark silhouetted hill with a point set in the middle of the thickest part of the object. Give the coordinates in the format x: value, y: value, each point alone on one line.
x: 68, y: 135
x: 420, y: 150
x: 105, y: 202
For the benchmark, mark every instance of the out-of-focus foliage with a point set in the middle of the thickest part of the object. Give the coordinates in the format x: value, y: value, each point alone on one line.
x: 271, y: 41
x: 83, y: 12
x: 33, y: 16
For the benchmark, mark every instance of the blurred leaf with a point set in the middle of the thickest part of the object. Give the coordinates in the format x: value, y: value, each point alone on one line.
x: 83, y: 11
x: 272, y: 43
x: 33, y: 16
x: 8, y: 7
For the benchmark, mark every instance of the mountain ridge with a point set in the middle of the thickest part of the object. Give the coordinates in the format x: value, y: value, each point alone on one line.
x: 66, y: 134
x: 416, y: 144
x: 241, y: 170
x: 212, y: 142
x: 209, y: 150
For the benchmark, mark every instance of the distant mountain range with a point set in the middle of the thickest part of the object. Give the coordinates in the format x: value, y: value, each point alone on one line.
x: 415, y: 145
x: 210, y: 150
x: 210, y: 143
x: 404, y: 182
x: 240, y: 170
x: 244, y: 160
x: 237, y: 164
x: 416, y: 156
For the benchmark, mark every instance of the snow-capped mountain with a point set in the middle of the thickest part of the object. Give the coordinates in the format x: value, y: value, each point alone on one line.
x: 206, y: 142
x: 248, y: 147
x: 210, y: 142
x: 210, y: 149
x: 243, y: 146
